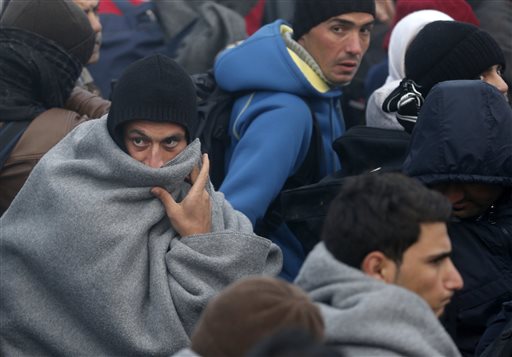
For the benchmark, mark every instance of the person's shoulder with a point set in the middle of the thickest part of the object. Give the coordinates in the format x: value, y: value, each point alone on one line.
x: 280, y: 109
x: 62, y: 118
x: 282, y: 100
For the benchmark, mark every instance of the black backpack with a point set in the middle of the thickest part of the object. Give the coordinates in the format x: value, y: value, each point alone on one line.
x: 361, y: 149
x: 214, y: 111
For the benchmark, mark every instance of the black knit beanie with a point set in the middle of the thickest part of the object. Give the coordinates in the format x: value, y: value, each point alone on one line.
x: 450, y: 50
x: 310, y: 13
x: 61, y: 21
x: 155, y: 88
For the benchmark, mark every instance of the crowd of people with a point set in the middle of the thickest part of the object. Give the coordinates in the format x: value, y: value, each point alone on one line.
x: 114, y: 241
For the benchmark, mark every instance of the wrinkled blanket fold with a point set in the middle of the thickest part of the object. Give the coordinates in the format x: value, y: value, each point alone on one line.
x: 91, y: 266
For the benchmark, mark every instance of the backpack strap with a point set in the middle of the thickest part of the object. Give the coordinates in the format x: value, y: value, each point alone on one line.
x: 308, y: 173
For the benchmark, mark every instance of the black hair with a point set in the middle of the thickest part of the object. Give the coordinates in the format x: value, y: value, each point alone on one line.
x: 380, y: 212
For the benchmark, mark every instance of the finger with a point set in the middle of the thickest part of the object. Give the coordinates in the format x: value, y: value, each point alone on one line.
x: 202, y: 178
x: 194, y: 174
x: 166, y: 198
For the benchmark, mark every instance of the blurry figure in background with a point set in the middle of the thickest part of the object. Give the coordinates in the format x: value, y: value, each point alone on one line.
x: 382, y: 273
x: 250, y: 310
x: 443, y: 51
x: 90, y: 8
x: 403, y: 34
x: 462, y: 147
x: 201, y: 29
x: 190, y: 32
x: 40, y: 61
x: 459, y: 10
x: 278, y: 9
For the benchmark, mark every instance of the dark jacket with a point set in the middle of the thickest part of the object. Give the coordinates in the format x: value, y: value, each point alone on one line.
x: 464, y: 134
x: 482, y: 251
x: 497, y: 339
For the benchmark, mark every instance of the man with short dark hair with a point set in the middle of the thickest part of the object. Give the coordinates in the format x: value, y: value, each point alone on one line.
x: 290, y: 76
x: 383, y: 232
x: 462, y: 147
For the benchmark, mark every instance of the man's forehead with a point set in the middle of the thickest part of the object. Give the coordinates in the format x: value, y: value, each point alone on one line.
x: 356, y: 18
x: 433, y: 238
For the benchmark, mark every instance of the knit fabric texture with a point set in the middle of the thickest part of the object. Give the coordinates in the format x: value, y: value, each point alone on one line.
x: 154, y: 88
x: 310, y: 13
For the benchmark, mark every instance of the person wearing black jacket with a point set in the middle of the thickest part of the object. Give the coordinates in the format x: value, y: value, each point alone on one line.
x: 462, y: 146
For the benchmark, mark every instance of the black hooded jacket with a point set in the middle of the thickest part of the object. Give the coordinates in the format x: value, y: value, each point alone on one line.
x: 464, y: 134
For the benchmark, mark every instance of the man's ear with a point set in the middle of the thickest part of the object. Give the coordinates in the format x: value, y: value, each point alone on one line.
x: 380, y: 267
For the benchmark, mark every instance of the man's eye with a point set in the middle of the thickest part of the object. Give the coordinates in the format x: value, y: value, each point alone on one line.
x: 366, y: 30
x: 171, y: 142
x: 138, y: 142
x: 337, y: 29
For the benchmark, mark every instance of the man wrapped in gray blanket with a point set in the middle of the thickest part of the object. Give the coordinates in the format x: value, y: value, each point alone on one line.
x: 117, y: 240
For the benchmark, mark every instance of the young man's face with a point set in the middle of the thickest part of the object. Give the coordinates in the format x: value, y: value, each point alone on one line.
x: 427, y: 269
x: 469, y: 199
x: 338, y: 45
x: 154, y: 143
x: 90, y: 8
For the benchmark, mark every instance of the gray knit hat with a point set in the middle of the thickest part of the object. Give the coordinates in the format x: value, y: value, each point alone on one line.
x: 310, y: 13
x: 58, y: 20
x: 154, y: 88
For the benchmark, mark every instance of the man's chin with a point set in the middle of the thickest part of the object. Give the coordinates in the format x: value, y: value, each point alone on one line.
x: 342, y: 80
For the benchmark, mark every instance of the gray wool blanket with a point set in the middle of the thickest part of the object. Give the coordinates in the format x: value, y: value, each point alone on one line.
x: 366, y: 317
x: 89, y: 264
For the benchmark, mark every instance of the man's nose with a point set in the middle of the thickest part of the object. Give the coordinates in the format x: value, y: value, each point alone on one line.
x: 354, y: 44
x: 501, y: 85
x: 454, y: 280
x: 154, y: 158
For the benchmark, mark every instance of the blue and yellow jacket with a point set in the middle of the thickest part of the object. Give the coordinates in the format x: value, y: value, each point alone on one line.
x: 271, y: 126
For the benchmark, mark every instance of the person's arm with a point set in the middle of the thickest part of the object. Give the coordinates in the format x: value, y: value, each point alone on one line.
x: 86, y: 103
x: 274, y: 139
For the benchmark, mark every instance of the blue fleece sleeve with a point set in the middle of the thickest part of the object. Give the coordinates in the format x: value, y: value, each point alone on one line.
x: 274, y: 136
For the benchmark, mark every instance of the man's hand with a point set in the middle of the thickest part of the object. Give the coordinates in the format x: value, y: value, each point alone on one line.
x: 193, y: 215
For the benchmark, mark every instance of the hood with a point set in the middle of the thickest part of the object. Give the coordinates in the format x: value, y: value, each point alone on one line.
x: 348, y: 298
x: 463, y: 134
x: 404, y: 32
x: 264, y: 62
